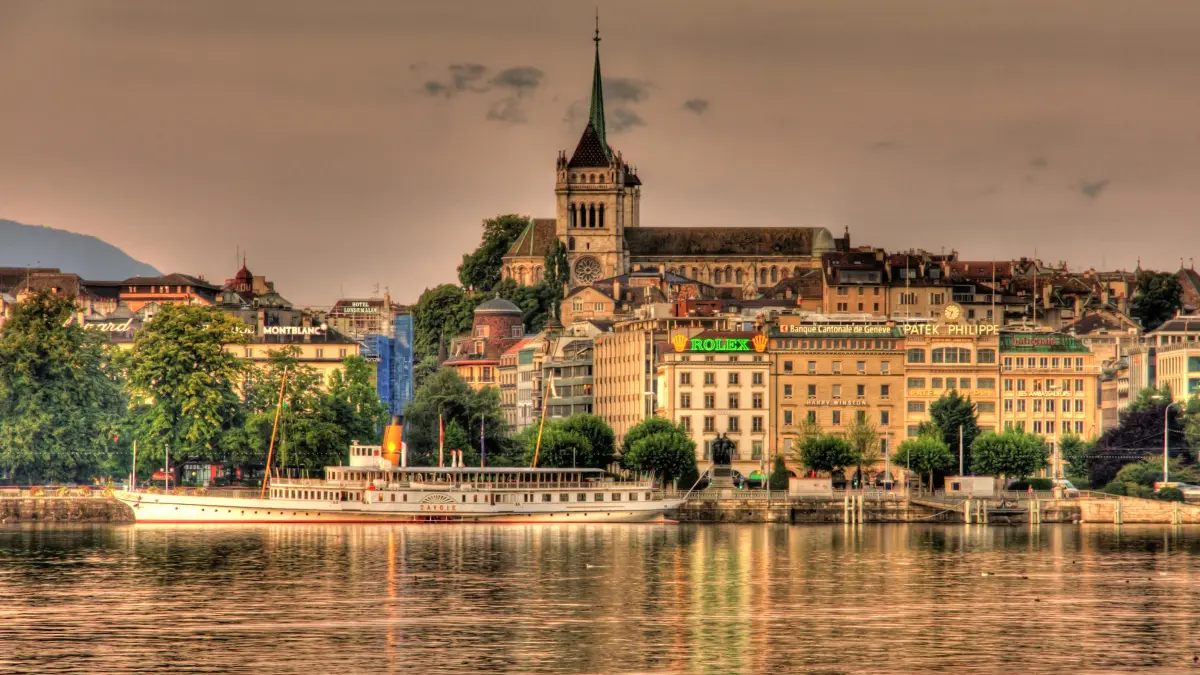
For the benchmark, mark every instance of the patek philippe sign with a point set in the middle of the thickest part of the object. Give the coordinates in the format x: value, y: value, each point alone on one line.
x: 293, y: 330
x: 682, y: 343
x: 952, y: 329
x: 847, y: 402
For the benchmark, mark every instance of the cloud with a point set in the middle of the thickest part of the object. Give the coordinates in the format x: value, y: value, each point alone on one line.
x: 1092, y: 189
x: 507, y: 110
x: 622, y: 119
x: 1039, y: 162
x: 519, y: 82
x: 522, y: 79
x: 625, y: 90
x: 696, y: 105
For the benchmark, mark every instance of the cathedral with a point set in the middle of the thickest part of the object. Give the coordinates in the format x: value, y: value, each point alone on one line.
x: 598, y: 219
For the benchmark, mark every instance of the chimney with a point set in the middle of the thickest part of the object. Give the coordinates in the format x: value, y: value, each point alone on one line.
x: 394, y: 449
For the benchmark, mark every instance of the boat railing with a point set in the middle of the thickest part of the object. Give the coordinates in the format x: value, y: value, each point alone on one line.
x: 468, y: 485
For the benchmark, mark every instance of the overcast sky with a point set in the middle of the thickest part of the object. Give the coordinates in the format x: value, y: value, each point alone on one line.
x: 352, y: 143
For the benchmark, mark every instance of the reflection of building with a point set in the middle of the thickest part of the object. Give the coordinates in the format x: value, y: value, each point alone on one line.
x: 718, y: 383
x: 598, y: 220
x: 950, y: 353
x: 834, y: 371
x: 476, y: 356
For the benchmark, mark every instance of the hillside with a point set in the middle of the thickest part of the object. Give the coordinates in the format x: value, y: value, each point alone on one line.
x: 91, y: 258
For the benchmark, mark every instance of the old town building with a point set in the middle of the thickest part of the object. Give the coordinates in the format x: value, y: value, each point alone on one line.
x: 530, y: 356
x: 1174, y: 348
x: 508, y: 382
x: 717, y: 384
x: 567, y: 372
x: 476, y: 355
x: 835, y: 371
x: 170, y: 289
x: 598, y: 221
x: 315, y: 347
x: 951, y: 353
x: 1051, y: 387
x: 366, y: 316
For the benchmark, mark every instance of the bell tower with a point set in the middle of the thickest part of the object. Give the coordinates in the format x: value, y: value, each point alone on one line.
x: 596, y: 196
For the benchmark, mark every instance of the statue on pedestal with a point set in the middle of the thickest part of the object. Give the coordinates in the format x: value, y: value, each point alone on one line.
x: 722, y: 450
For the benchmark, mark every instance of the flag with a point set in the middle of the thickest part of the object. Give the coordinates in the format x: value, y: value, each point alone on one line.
x: 441, y: 441
x: 482, y: 450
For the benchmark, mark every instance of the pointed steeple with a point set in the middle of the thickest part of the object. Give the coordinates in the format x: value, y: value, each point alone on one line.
x: 596, y: 112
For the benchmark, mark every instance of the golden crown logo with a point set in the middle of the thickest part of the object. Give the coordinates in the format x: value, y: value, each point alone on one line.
x: 760, y: 343
x: 679, y: 342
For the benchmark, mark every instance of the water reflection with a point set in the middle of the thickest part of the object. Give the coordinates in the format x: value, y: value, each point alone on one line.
x: 597, y: 598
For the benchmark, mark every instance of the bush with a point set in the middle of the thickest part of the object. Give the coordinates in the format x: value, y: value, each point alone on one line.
x: 1114, y: 488
x: 1038, y: 484
x: 1169, y: 494
x: 779, y: 475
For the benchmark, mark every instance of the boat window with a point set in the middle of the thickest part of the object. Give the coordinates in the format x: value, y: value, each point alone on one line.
x: 547, y: 497
x: 464, y: 499
x: 564, y: 497
x: 616, y: 496
x: 581, y: 497
x: 405, y: 497
x: 599, y: 497
x: 647, y: 496
x: 633, y: 496
x: 393, y: 497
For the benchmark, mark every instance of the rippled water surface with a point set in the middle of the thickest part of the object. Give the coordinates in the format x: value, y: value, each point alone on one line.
x: 598, y: 599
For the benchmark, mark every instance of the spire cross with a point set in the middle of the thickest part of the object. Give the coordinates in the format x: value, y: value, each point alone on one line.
x: 597, y: 38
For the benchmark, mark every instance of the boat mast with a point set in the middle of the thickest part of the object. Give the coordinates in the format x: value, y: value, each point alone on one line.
x: 542, y: 425
x: 275, y: 427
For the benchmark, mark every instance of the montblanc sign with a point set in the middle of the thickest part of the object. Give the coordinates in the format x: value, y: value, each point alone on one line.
x: 293, y: 330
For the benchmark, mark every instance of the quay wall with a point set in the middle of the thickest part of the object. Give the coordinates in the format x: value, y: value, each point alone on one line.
x: 63, y: 510
x: 812, y: 511
x: 1130, y: 510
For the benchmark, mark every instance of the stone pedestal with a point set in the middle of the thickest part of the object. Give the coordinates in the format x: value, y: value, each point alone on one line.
x: 722, y: 478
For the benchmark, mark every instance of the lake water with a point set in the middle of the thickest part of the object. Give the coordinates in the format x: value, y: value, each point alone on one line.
x: 599, y: 599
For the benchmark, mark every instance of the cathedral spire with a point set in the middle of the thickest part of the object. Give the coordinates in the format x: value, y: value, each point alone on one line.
x: 596, y: 113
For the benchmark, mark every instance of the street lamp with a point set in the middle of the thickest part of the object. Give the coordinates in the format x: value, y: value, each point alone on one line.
x: 1166, y: 434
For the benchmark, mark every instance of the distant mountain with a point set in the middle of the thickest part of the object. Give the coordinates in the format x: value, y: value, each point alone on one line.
x: 91, y: 258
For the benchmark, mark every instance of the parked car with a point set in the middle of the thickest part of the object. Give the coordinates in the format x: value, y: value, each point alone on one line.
x: 1069, y: 490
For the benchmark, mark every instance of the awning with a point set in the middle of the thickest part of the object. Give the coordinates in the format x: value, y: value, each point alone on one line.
x: 756, y: 475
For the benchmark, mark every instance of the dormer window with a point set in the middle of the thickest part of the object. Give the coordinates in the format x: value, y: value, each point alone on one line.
x: 518, y: 330
x: 479, y: 347
x: 481, y: 331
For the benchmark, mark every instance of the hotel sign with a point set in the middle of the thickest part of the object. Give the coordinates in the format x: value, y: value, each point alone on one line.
x: 358, y: 307
x: 974, y: 393
x: 682, y: 343
x: 293, y: 330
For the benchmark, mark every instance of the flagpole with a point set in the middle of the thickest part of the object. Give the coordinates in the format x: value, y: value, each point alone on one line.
x: 441, y: 442
x: 482, y: 447
x: 542, y: 425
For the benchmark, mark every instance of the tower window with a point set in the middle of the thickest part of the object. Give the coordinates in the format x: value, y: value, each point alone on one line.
x: 592, y: 215
x: 774, y: 274
x: 601, y: 210
x: 570, y: 243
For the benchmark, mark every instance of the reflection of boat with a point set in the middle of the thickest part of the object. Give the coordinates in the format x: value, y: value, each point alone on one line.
x: 371, y: 489
x: 1006, y: 509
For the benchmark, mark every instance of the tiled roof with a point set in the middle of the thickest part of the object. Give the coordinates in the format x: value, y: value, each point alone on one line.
x: 173, y: 279
x: 591, y: 151
x: 535, y: 241
x: 517, y: 347
x: 1180, y: 324
x: 711, y: 241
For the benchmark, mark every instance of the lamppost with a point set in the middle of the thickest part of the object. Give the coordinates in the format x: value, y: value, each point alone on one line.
x: 1166, y: 435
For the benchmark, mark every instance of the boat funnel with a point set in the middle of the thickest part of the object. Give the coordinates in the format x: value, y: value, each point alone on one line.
x: 393, y: 442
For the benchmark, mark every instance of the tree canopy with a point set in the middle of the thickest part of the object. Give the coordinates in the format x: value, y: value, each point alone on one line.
x: 659, y: 447
x: 1156, y: 298
x: 481, y: 269
x: 950, y: 412
x: 1140, y: 433
x: 1014, y: 454
x: 925, y: 455
x: 827, y: 453
x: 60, y: 402
x: 181, y: 374
x: 445, y: 393
x: 556, y: 275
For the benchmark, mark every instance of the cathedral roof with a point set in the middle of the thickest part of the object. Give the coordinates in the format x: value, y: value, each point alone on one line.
x: 591, y: 151
x: 724, y: 241
x: 535, y: 241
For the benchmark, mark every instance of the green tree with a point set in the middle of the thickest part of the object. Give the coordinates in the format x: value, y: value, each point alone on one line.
x: 181, y: 374
x: 779, y: 475
x: 1014, y: 454
x: 456, y: 439
x: 557, y: 274
x: 440, y: 314
x: 1191, y: 425
x: 649, y: 427
x: 828, y: 453
x: 1074, y: 452
x: 1157, y: 297
x: 599, y: 435
x: 1149, y: 398
x: 537, y: 302
x: 445, y: 393
x: 950, y: 412
x: 925, y: 455
x: 864, y: 438
x: 60, y: 403
x: 480, y: 270
x: 355, y: 402
x: 561, y: 448
x: 667, y: 455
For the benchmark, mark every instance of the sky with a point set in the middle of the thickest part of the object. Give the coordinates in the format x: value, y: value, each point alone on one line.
x: 353, y: 145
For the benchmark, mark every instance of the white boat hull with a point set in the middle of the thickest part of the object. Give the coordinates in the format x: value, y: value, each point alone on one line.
x: 166, y: 508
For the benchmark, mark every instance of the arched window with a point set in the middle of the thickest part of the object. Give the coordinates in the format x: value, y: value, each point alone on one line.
x: 783, y: 273
x: 591, y: 178
x: 694, y: 273
x: 601, y: 210
x: 591, y: 215
x: 762, y: 274
x: 572, y: 214
x: 796, y: 271
x: 739, y: 275
x: 774, y: 274
x: 538, y: 275
x: 570, y: 243
x: 574, y: 178
x: 986, y: 355
x: 728, y: 274
x: 671, y: 270
x: 716, y: 276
